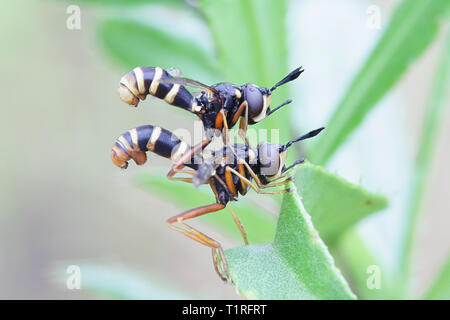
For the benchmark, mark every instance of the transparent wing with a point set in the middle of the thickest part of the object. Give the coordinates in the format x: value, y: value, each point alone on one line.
x: 196, y: 94
x: 204, y: 172
x: 190, y: 83
x: 175, y: 72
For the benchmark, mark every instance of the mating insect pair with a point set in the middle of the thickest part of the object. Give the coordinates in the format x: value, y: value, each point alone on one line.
x: 229, y: 171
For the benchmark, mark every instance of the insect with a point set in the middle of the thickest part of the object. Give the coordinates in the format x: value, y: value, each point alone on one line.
x: 229, y: 171
x: 219, y: 106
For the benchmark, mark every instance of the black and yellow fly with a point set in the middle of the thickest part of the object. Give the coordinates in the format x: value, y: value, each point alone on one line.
x: 229, y: 171
x: 219, y: 106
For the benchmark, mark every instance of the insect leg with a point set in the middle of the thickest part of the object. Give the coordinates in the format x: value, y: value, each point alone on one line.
x: 188, y: 155
x: 243, y: 109
x: 238, y: 112
x: 225, y: 127
x: 259, y: 183
x: 230, y: 184
x: 243, y: 124
x: 253, y: 186
x: 239, y: 225
x: 243, y: 189
x: 213, y: 188
x: 189, y: 180
x: 199, y: 236
x: 271, y: 185
x: 222, y: 124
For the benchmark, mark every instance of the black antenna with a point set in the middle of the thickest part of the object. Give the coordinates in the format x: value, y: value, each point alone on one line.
x: 306, y: 136
x: 291, y: 76
x: 281, y: 105
x: 293, y: 165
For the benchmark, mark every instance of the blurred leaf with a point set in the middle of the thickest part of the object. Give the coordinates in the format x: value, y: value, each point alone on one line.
x: 333, y: 203
x: 115, y: 283
x: 133, y: 2
x: 440, y: 289
x: 135, y: 44
x: 356, y: 258
x: 437, y: 106
x: 296, y: 265
x: 251, y: 41
x: 413, y: 27
x: 250, y: 38
x: 259, y: 224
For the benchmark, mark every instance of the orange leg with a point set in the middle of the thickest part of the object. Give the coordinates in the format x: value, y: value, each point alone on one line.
x: 239, y: 225
x: 258, y: 182
x: 188, y: 155
x: 222, y: 124
x: 225, y: 127
x: 253, y: 186
x: 173, y: 178
x: 242, y: 112
x: 230, y: 184
x: 243, y: 124
x: 239, y: 112
x: 201, y: 237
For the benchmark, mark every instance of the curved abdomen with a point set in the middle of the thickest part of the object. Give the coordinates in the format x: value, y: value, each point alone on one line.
x: 141, y: 81
x: 134, y: 144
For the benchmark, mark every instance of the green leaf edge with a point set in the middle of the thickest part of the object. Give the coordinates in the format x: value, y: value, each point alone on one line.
x: 293, y: 197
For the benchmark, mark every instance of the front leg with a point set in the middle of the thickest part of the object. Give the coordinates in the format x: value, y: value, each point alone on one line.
x: 221, y: 124
x: 258, y: 181
x: 242, y: 113
x: 253, y: 186
x: 187, y: 156
x: 188, y: 180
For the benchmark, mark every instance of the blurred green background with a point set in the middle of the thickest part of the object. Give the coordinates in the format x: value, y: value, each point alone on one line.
x: 64, y: 203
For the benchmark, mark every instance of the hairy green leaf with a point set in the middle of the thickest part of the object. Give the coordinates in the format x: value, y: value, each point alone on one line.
x: 296, y: 265
x: 412, y: 28
x: 334, y: 203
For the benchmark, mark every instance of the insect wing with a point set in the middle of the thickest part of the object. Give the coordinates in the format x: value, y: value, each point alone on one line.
x: 175, y: 72
x: 193, y: 84
x: 204, y: 172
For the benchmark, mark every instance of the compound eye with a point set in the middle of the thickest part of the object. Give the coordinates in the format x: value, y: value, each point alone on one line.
x: 254, y: 99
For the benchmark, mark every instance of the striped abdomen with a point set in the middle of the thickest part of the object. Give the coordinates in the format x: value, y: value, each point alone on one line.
x: 134, y: 143
x: 137, y: 84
